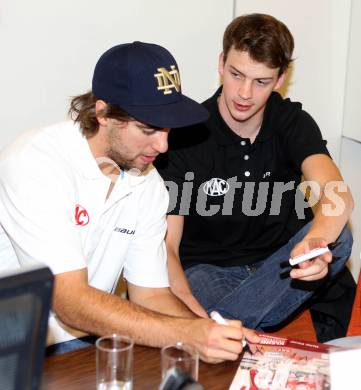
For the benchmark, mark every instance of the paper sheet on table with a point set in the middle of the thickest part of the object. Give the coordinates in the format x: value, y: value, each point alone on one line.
x: 345, y: 368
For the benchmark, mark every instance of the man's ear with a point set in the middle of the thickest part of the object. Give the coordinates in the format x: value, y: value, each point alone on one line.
x: 281, y: 80
x: 221, y: 64
x: 100, y: 106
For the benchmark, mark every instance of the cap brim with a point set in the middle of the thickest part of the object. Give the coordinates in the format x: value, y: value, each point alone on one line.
x: 183, y: 113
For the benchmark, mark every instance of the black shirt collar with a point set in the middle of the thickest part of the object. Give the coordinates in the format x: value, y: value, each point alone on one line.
x: 223, y: 134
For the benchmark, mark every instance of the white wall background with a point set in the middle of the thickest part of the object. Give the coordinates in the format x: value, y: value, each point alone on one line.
x: 352, y: 122
x: 49, y: 49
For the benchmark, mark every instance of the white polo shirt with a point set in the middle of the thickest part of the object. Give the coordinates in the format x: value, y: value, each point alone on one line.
x: 54, y: 211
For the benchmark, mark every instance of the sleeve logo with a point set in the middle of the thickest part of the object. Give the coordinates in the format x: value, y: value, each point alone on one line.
x: 81, y: 215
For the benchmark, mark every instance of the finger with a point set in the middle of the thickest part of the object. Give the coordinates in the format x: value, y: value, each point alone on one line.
x: 305, y: 264
x: 209, y: 359
x: 326, y: 258
x: 315, y: 243
x: 313, y: 277
x: 308, y: 245
x: 317, y: 270
x: 248, y: 334
x: 299, y: 249
x: 227, y: 337
x: 229, y: 346
x: 312, y: 267
x: 251, y: 335
x: 253, y: 348
x: 214, y: 355
x: 235, y: 323
x: 233, y: 330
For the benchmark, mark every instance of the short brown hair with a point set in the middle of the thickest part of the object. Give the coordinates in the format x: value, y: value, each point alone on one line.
x: 82, y: 110
x: 265, y: 38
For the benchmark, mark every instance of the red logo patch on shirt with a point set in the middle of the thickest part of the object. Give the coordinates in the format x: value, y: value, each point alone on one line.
x: 81, y: 215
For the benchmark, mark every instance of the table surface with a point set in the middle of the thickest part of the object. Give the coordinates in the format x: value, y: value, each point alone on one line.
x: 76, y: 371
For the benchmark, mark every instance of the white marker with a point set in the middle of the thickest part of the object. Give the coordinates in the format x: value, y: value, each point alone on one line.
x: 216, y: 317
x: 307, y: 256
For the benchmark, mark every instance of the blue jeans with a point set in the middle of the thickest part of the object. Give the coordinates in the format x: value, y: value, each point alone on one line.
x: 257, y: 294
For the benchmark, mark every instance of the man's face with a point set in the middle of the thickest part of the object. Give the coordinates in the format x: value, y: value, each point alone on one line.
x: 134, y: 144
x: 247, y: 85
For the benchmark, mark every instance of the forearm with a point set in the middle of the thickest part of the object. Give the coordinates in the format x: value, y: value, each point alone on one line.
x: 177, y: 279
x: 100, y: 313
x: 178, y: 282
x: 180, y: 287
x: 167, y: 303
x: 91, y: 310
x: 335, y: 205
x: 328, y: 222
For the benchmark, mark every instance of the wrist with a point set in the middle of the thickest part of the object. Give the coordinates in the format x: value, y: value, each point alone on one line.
x: 181, y: 291
x: 313, y: 237
x: 316, y: 234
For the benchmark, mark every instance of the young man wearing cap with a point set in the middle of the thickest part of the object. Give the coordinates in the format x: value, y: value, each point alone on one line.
x: 82, y: 198
x: 236, y: 213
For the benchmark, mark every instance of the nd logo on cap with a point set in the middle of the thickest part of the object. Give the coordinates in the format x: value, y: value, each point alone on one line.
x: 168, y: 80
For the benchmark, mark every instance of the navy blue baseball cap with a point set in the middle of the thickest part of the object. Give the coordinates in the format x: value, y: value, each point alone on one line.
x: 143, y: 79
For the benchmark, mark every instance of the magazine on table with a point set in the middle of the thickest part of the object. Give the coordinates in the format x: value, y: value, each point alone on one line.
x: 279, y: 363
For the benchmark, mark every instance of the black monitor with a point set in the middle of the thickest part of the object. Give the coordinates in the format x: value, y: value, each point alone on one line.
x: 25, y: 300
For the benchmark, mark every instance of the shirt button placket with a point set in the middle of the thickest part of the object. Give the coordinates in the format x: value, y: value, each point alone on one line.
x: 246, y: 158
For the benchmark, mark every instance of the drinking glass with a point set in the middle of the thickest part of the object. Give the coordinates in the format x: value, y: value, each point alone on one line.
x: 181, y: 357
x: 114, y: 362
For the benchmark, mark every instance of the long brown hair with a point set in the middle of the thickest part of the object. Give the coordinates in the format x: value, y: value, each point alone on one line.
x: 82, y: 110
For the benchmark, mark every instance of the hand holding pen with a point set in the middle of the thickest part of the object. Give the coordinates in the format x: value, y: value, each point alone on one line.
x: 220, y: 320
x: 316, y: 253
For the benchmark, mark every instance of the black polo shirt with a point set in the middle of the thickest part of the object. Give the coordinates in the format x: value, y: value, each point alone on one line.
x: 239, y: 199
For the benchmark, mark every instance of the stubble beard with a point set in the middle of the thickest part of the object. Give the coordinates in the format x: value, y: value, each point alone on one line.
x: 120, y: 157
x: 123, y: 163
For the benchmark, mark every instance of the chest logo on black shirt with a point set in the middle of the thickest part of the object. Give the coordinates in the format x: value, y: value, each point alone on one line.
x: 216, y: 187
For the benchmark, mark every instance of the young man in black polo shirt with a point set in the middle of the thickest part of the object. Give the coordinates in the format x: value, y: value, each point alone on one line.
x: 236, y: 212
